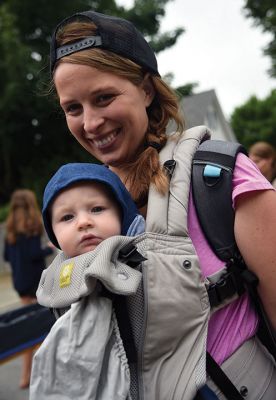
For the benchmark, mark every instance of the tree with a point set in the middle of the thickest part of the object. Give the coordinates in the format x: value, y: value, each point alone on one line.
x: 34, y: 139
x: 186, y: 90
x: 14, y: 65
x: 183, y: 90
x: 264, y: 14
x: 256, y: 120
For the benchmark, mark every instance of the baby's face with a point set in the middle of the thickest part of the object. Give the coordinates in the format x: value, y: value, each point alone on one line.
x: 83, y: 216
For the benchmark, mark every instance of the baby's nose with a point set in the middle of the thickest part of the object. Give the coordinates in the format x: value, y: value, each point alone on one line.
x: 85, y: 220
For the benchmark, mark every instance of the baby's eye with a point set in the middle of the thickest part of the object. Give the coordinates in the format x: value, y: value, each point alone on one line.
x: 97, y: 209
x: 66, y: 217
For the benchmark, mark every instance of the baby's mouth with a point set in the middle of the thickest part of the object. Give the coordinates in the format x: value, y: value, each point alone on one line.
x: 90, y: 239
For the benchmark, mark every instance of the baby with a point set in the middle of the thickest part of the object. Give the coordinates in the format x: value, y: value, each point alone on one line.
x: 88, y: 214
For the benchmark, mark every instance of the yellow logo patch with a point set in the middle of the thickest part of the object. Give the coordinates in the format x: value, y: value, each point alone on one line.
x: 65, y: 275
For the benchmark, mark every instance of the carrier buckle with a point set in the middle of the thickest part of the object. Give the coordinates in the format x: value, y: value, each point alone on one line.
x: 224, y: 289
x: 131, y: 256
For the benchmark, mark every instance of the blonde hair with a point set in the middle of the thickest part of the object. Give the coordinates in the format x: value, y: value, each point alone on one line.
x: 146, y: 168
x: 24, y: 216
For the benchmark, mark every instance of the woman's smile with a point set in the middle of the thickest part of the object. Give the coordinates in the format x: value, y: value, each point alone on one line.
x: 106, y: 141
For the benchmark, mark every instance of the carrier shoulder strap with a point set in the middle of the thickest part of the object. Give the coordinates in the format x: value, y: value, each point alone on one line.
x: 167, y: 214
x: 212, y: 173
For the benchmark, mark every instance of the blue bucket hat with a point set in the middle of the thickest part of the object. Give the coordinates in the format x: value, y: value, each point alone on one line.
x: 71, y: 173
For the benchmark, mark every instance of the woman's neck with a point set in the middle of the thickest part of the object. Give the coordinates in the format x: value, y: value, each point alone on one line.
x: 143, y: 211
x: 122, y: 174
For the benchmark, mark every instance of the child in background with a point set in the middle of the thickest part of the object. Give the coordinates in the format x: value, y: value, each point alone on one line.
x: 25, y: 254
x: 85, y: 204
x: 263, y: 155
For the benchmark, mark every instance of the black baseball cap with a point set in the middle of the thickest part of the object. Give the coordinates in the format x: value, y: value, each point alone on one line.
x: 114, y: 34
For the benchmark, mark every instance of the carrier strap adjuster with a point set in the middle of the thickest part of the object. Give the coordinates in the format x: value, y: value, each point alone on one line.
x: 169, y: 167
x: 229, y: 285
x: 130, y: 255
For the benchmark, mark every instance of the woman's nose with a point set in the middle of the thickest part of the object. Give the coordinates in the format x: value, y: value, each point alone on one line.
x: 93, y: 120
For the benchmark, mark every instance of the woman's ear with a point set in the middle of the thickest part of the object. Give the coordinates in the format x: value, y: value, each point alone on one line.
x: 148, y: 89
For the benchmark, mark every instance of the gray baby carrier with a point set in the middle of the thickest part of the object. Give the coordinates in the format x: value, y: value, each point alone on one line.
x: 163, y: 323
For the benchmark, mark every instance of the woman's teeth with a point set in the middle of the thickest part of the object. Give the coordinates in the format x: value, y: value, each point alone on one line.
x: 106, y: 140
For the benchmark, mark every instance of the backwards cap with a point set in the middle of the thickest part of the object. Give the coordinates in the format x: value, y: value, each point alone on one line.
x: 114, y: 34
x: 71, y: 173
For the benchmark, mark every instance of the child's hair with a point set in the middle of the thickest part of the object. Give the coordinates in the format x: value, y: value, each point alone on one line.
x: 263, y: 150
x: 24, y: 216
x: 146, y: 168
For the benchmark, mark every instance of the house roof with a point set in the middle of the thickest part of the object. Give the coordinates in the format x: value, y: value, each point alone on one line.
x: 204, y: 109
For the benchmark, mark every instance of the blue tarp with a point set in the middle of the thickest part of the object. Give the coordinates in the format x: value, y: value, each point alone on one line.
x: 23, y: 328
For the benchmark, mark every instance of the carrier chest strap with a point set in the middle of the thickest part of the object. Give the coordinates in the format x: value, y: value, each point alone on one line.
x: 233, y: 281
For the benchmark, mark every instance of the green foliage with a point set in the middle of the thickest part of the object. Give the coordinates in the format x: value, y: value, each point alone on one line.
x: 264, y: 14
x: 183, y: 90
x: 256, y: 120
x: 34, y: 139
x: 4, y: 212
x: 186, y: 90
x: 146, y: 16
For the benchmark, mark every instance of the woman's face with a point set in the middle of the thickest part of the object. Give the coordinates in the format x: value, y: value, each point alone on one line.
x: 104, y: 112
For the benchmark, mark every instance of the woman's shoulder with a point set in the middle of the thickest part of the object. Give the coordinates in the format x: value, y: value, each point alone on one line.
x: 247, y: 178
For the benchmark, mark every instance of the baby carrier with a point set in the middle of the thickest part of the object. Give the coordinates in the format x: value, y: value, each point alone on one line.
x: 170, y: 329
x: 163, y: 323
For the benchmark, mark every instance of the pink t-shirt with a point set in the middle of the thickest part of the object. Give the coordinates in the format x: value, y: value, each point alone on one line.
x: 237, y: 322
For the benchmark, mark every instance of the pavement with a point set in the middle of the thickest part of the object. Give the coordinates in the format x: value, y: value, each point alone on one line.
x: 10, y: 370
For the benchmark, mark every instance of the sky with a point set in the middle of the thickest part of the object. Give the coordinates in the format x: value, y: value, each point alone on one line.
x: 220, y: 50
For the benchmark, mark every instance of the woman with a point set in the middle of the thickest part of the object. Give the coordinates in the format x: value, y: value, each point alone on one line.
x: 117, y: 106
x: 24, y: 252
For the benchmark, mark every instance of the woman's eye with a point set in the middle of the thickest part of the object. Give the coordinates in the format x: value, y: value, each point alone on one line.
x: 104, y: 99
x: 72, y: 108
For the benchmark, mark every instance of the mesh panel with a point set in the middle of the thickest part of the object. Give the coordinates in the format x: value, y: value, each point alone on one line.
x: 136, y: 311
x: 201, y: 372
x: 134, y: 391
x: 81, y: 274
